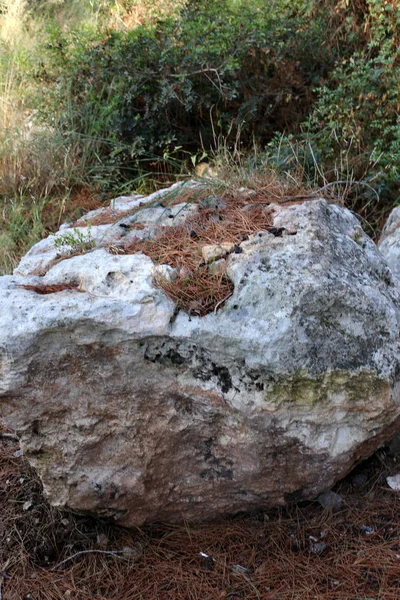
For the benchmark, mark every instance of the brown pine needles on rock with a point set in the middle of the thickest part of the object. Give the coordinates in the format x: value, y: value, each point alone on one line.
x: 199, y: 288
x: 44, y: 289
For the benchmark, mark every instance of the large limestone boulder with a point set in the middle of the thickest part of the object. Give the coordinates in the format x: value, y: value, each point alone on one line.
x: 129, y: 408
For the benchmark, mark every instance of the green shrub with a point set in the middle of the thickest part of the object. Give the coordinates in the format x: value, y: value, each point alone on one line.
x: 353, y: 131
x: 165, y: 89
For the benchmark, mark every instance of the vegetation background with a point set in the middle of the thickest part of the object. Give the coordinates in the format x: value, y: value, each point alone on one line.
x: 101, y: 97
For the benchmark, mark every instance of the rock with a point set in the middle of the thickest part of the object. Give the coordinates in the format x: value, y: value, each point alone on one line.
x: 359, y: 479
x: 211, y: 203
x: 330, y: 500
x: 394, y: 482
x: 45, y: 253
x: 130, y: 409
x: 367, y: 529
x: 212, y: 252
x: 318, y: 548
x: 389, y: 242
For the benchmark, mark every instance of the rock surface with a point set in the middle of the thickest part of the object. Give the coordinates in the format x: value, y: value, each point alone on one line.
x: 129, y: 409
x: 389, y: 243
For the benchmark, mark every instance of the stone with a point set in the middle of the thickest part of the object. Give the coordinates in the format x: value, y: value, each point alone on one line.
x: 213, y: 252
x: 394, y: 482
x: 211, y: 203
x: 330, y: 500
x: 131, y: 409
x: 389, y: 242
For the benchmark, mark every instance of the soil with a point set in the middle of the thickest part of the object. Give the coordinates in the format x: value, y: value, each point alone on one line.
x: 300, y: 552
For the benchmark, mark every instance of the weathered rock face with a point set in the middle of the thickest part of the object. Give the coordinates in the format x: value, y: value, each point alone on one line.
x: 128, y: 409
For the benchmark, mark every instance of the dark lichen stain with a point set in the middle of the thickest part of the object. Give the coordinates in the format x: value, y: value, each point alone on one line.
x: 37, y: 452
x: 160, y: 353
x: 212, y: 474
x: 264, y: 265
x: 215, y: 468
x: 194, y: 359
x: 224, y: 378
x: 97, y: 488
x: 174, y: 357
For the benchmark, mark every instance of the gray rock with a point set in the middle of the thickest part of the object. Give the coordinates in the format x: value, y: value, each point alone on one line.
x: 318, y: 548
x: 211, y: 203
x: 389, y: 242
x: 394, y: 482
x: 359, y: 479
x: 330, y: 500
x: 129, y: 410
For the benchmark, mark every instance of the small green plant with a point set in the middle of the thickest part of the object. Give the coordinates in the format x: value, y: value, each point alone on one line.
x: 75, y: 242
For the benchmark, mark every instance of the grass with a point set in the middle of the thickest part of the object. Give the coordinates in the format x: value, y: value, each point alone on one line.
x: 46, y: 177
x: 301, y: 552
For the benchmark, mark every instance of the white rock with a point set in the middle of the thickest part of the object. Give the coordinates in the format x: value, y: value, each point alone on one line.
x: 389, y: 243
x: 212, y: 252
x: 130, y: 409
x: 394, y: 482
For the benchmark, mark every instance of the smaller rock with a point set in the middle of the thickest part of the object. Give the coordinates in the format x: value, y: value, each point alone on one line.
x: 217, y: 267
x: 212, y: 252
x: 241, y: 569
x: 318, y: 548
x: 359, y: 479
x: 330, y: 500
x: 394, y: 446
x: 166, y: 272
x: 211, y: 203
x: 276, y: 231
x: 133, y: 552
x: 394, y: 482
x: 207, y: 561
x: 367, y: 529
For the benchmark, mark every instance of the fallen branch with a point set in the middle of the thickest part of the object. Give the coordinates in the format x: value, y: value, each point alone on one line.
x: 108, y: 552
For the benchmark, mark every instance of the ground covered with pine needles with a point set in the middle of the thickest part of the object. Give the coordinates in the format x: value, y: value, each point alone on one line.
x: 302, y: 552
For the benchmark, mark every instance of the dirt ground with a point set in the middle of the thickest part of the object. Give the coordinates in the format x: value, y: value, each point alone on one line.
x: 302, y: 552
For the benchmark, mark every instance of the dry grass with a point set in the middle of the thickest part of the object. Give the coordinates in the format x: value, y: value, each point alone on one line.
x: 129, y: 15
x: 268, y: 556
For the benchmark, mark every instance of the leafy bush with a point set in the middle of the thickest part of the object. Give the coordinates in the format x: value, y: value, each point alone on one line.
x: 162, y: 90
x: 353, y: 131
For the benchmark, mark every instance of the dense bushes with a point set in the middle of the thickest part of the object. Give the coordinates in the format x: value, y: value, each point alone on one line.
x: 355, y: 124
x: 164, y: 90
